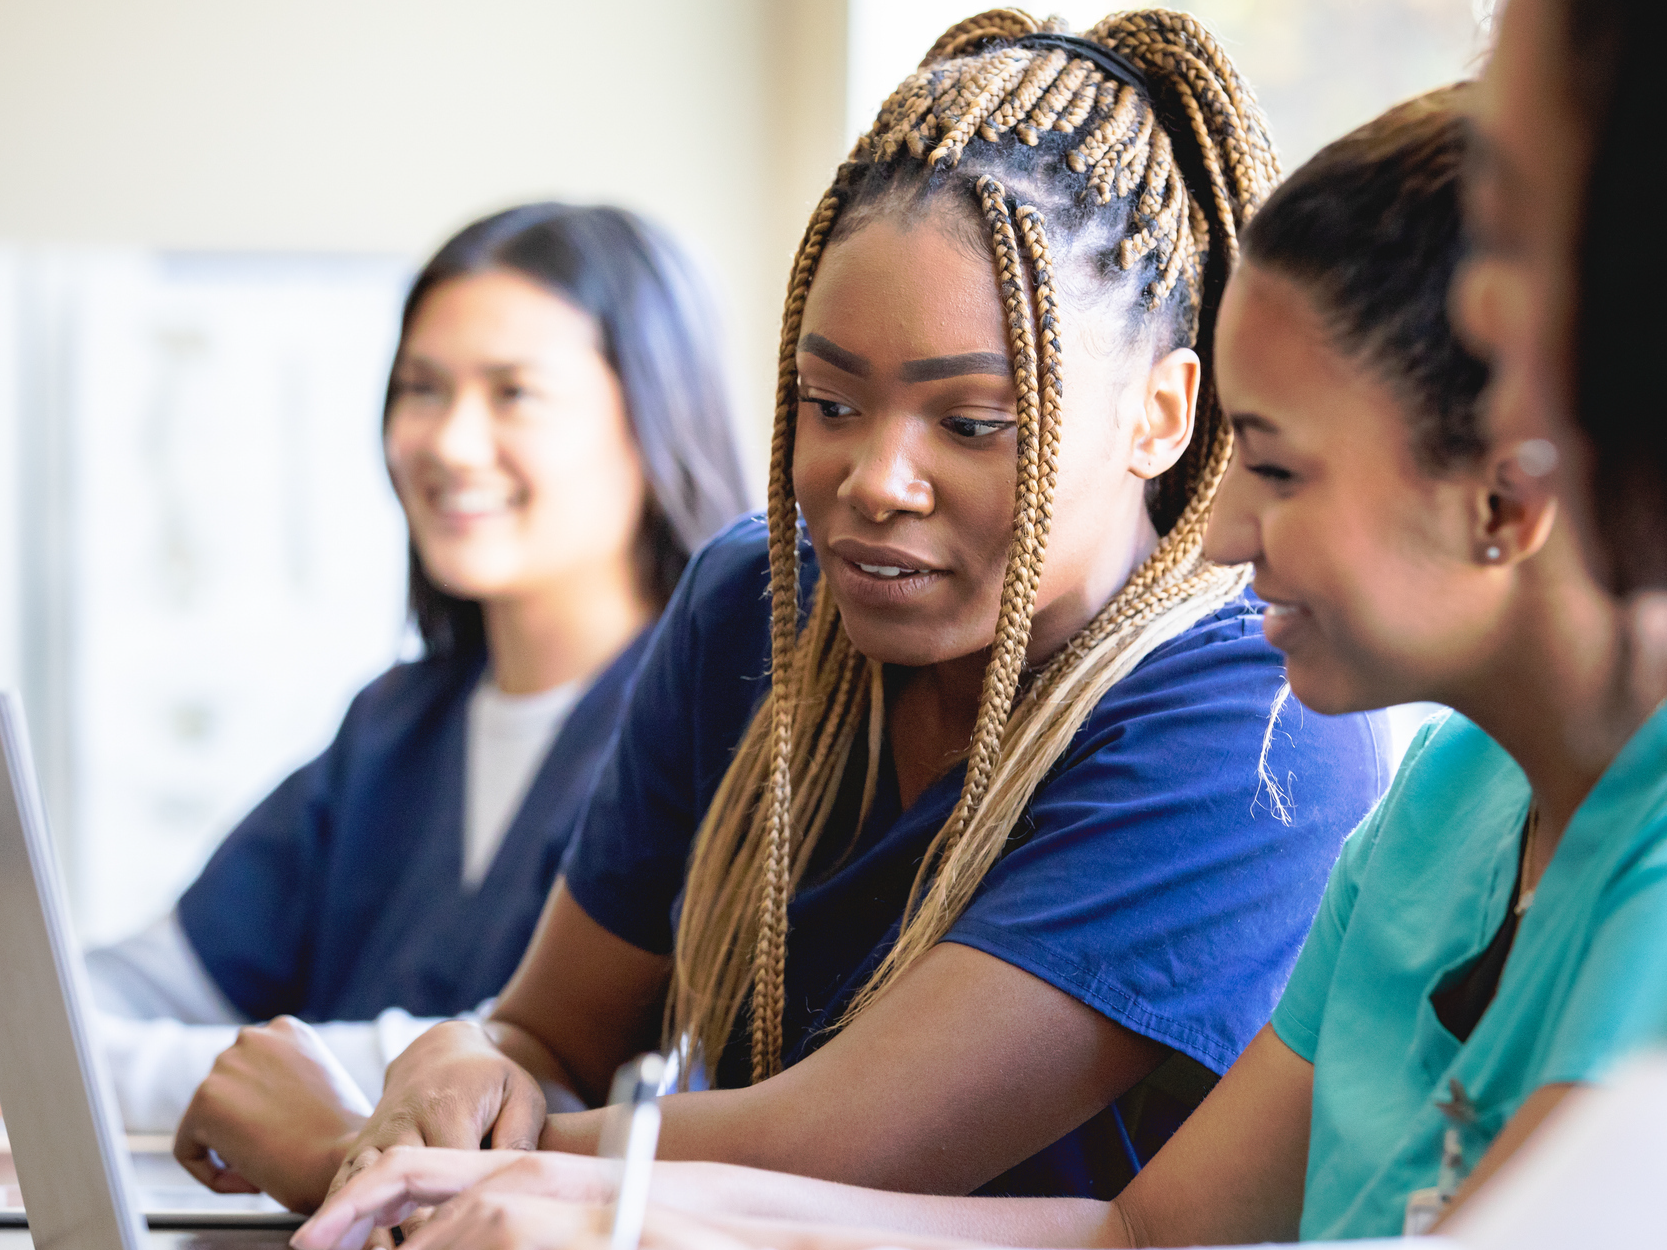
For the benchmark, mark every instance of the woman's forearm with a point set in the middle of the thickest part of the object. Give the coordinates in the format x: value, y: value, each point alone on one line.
x: 801, y: 1213
x: 728, y: 1153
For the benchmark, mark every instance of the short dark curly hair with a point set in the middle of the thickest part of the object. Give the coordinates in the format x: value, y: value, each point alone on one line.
x: 1372, y: 228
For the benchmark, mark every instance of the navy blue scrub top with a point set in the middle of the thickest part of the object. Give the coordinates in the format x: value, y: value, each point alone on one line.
x: 1150, y: 879
x: 342, y: 893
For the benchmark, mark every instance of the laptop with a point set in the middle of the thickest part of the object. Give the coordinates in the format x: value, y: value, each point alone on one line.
x: 73, y: 1168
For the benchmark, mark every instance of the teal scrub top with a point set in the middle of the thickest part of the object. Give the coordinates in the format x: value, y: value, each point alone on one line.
x: 1418, y: 893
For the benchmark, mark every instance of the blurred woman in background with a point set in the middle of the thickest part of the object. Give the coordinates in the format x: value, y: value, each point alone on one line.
x: 558, y: 434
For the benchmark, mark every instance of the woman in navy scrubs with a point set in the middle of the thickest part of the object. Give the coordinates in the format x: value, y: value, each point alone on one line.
x: 558, y: 435
x: 1494, y: 937
x: 955, y: 830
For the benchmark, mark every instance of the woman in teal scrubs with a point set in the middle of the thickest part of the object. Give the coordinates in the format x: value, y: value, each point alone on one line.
x: 1494, y: 934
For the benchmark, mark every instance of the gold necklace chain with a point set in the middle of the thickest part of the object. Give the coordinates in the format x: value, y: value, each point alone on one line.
x: 1525, y: 896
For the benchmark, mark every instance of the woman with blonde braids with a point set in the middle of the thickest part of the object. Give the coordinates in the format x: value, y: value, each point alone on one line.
x: 948, y: 834
x: 1493, y: 937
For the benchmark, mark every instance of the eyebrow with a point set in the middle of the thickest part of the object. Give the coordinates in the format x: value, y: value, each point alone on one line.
x: 936, y: 368
x: 929, y: 369
x: 830, y: 351
x: 1241, y: 421
x: 413, y: 360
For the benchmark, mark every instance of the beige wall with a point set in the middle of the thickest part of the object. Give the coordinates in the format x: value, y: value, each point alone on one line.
x: 382, y: 125
x: 339, y: 126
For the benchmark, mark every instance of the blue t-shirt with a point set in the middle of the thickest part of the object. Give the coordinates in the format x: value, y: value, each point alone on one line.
x: 342, y: 893
x: 1419, y: 892
x: 1150, y: 879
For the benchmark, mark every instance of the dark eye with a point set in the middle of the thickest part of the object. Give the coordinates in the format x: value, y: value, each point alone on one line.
x: 831, y: 409
x: 420, y: 387
x: 1271, y: 472
x: 975, y: 427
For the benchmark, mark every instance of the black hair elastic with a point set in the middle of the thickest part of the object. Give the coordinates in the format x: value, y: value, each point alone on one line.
x: 1114, y: 64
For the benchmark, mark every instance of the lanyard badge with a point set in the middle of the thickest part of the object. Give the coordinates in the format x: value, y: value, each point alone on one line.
x: 1426, y: 1206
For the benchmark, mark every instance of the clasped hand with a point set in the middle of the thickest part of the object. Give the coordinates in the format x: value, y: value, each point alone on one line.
x: 277, y: 1114
x: 453, y: 1089
x: 274, y: 1115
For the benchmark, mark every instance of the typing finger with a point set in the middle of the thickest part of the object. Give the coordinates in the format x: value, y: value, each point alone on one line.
x: 227, y: 1180
x: 197, y: 1157
x: 476, y: 1221
x: 520, y: 1119
x: 385, y: 1188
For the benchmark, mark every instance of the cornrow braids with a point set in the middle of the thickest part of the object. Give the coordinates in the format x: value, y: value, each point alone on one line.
x: 1133, y: 150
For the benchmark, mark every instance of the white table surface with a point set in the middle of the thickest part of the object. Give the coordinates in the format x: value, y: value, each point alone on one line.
x: 164, y: 1185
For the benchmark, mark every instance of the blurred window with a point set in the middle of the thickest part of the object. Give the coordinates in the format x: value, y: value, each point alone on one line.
x: 211, y: 558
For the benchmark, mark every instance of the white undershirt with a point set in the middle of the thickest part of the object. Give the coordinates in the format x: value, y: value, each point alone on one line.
x: 163, y: 1021
x: 509, y: 736
x: 162, y: 1018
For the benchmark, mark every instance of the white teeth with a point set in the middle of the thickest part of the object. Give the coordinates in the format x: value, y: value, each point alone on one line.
x: 473, y: 501
x: 884, y: 570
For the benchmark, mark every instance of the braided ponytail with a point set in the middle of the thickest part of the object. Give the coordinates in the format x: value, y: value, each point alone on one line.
x: 1184, y: 156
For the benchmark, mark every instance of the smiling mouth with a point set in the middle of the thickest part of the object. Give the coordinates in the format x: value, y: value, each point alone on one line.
x: 888, y: 572
x: 471, y: 502
x: 1283, y: 623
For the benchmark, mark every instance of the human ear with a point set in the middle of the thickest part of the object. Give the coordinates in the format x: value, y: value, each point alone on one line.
x: 1517, y: 510
x: 1167, y: 415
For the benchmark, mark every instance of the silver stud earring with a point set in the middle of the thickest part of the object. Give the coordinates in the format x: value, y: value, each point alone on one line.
x: 1492, y: 555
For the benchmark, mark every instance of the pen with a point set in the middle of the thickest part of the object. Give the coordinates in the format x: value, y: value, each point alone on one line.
x: 631, y: 1135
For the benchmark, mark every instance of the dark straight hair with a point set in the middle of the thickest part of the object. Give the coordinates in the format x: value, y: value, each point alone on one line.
x: 1371, y: 228
x: 1612, y: 56
x: 655, y: 320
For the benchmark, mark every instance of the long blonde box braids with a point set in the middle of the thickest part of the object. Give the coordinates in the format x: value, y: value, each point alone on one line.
x: 975, y: 86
